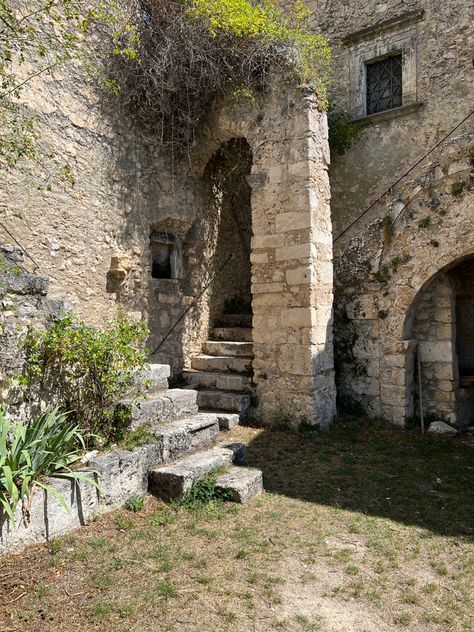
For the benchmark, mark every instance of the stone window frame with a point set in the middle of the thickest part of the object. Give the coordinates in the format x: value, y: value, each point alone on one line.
x: 397, y: 36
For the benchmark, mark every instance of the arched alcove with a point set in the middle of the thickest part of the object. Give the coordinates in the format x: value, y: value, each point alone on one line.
x: 262, y: 196
x: 440, y: 358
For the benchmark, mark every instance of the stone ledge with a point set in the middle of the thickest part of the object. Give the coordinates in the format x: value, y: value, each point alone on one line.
x: 24, y: 283
x: 389, y: 115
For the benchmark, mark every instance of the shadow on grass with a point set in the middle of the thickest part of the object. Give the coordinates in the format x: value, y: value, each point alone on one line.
x: 375, y: 469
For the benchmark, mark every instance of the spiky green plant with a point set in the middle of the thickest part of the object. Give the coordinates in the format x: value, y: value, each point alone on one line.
x: 30, y: 452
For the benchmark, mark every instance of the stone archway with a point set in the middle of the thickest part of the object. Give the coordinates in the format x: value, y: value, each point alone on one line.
x: 440, y: 328
x: 398, y: 343
x: 291, y: 250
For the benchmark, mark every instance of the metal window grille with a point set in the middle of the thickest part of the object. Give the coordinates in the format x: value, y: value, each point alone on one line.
x: 384, y: 84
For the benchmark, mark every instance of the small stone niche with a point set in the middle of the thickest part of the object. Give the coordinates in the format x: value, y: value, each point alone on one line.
x: 167, y: 260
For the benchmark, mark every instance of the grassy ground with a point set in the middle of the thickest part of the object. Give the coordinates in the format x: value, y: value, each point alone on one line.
x: 366, y: 528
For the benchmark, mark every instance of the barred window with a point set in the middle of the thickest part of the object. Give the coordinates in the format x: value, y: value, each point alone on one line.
x: 384, y: 84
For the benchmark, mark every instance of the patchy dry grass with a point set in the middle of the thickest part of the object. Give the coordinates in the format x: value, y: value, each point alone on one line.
x: 365, y: 528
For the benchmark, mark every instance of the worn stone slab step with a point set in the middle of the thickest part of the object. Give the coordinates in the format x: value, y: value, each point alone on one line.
x: 223, y: 401
x: 173, y: 481
x: 240, y: 484
x: 197, y: 432
x: 227, y: 348
x: 155, y: 377
x: 169, y: 405
x: 214, y: 379
x: 236, y: 334
x: 226, y: 420
x: 236, y: 320
x: 224, y: 364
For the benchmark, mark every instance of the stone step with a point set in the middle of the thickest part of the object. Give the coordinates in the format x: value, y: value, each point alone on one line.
x: 169, y: 405
x: 173, y: 481
x: 226, y: 420
x: 240, y: 484
x: 236, y: 334
x: 214, y: 379
x: 155, y: 377
x: 223, y: 401
x: 227, y: 348
x: 185, y: 435
x: 235, y: 320
x: 224, y: 364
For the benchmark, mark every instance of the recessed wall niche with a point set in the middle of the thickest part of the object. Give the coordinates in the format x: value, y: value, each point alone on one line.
x: 166, y: 251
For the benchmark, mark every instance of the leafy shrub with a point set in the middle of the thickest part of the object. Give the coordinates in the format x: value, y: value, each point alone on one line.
x: 264, y: 20
x: 86, y: 369
x: 343, y: 132
x: 29, y: 452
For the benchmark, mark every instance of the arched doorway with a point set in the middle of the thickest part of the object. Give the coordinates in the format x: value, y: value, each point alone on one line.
x: 440, y: 367
x: 227, y: 171
x: 262, y: 196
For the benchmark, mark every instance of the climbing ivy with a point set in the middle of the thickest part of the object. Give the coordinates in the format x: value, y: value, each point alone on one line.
x: 265, y: 21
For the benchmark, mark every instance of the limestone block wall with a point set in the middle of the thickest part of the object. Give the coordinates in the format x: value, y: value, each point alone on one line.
x: 292, y: 275
x: 434, y: 330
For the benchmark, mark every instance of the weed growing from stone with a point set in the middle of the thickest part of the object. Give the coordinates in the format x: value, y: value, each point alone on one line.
x: 134, y: 503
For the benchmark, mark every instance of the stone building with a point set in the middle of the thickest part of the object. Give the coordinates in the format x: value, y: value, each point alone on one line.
x: 403, y: 271
x: 256, y: 248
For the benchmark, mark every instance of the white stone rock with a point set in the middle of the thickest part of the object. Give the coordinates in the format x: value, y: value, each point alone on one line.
x: 439, y: 427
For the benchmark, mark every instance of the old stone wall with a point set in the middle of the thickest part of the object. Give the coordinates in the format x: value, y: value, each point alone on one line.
x: 422, y: 224
x: 85, y: 210
x: 381, y: 277
x: 434, y: 332
x: 435, y: 38
x: 118, y: 222
x: 291, y: 253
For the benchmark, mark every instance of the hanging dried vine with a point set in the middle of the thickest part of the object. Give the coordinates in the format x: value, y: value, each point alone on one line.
x: 194, y: 52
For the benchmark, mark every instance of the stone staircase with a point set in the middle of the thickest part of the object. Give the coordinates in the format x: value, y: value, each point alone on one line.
x: 222, y: 373
x: 190, y: 443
